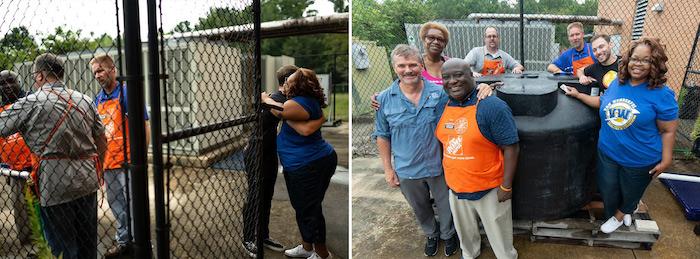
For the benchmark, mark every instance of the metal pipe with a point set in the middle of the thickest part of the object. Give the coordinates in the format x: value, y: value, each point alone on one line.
x: 335, y: 23
x: 13, y: 173
x: 522, y: 32
x: 162, y: 226
x: 258, y: 130
x: 137, y: 133
x: 191, y: 132
x: 680, y: 177
x: 592, y: 20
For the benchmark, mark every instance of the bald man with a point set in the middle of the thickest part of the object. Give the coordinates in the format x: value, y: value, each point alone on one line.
x: 489, y: 60
x: 480, y: 153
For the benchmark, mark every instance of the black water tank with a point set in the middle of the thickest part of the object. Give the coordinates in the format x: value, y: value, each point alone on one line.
x: 555, y: 172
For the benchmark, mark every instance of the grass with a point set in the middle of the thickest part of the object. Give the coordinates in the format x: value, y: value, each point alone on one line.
x: 341, y: 107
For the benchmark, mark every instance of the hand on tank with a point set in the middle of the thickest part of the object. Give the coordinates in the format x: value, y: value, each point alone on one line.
x: 517, y: 70
x: 659, y: 168
x: 586, y: 80
x: 476, y: 74
x: 570, y: 91
x: 484, y: 90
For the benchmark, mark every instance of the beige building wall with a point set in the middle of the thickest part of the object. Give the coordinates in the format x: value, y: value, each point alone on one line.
x: 675, y: 26
x: 270, y: 64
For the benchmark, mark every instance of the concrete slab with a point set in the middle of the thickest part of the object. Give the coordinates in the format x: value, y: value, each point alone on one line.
x: 384, y: 225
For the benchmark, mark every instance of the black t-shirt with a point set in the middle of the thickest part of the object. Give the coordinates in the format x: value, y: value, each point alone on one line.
x: 598, y: 71
x: 270, y: 123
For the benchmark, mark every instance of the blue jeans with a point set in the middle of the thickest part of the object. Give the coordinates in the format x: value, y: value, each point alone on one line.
x: 71, y: 228
x: 115, y: 182
x: 621, y: 187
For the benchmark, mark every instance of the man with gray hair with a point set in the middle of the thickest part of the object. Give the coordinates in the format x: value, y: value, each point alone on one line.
x: 404, y: 131
x: 489, y: 60
x: 63, y: 131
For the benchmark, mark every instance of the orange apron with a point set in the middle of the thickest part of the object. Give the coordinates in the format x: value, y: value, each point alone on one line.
x: 584, y: 62
x: 111, y: 114
x: 36, y: 159
x: 493, y: 67
x: 14, y: 151
x: 472, y: 163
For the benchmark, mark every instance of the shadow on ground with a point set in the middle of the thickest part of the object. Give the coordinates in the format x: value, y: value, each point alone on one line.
x: 384, y: 225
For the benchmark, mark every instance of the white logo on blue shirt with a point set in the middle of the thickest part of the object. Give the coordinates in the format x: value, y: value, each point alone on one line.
x: 620, y: 113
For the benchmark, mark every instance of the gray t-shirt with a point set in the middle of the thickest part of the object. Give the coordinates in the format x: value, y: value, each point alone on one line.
x: 476, y: 56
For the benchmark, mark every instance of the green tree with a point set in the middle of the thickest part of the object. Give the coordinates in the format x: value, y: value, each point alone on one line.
x: 384, y: 22
x: 17, y: 46
x: 311, y: 51
x: 183, y: 26
x: 340, y: 6
x: 218, y: 17
x: 275, y: 10
x: 64, y: 41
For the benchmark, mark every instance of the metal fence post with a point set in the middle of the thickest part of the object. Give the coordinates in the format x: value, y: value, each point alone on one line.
x: 162, y: 227
x: 258, y: 131
x: 137, y: 133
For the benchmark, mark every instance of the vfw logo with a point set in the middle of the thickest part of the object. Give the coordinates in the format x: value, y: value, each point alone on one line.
x: 620, y: 113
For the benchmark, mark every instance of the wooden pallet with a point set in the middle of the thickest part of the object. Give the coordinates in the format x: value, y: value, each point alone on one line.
x: 585, y: 230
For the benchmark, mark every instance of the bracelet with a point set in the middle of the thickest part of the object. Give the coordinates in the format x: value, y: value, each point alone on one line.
x: 505, y: 189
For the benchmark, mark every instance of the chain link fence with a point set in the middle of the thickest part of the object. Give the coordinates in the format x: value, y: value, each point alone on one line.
x: 379, y: 27
x: 57, y: 120
x: 55, y: 201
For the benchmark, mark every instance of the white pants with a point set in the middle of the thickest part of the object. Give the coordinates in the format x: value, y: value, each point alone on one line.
x: 497, y: 219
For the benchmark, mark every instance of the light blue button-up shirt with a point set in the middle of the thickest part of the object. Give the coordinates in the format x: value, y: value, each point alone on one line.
x: 415, y: 150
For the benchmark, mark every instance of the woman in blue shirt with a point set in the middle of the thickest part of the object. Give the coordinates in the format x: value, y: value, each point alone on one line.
x: 308, y: 161
x: 639, y: 117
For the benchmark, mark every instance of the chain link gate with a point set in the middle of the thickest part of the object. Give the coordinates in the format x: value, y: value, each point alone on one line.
x: 379, y: 27
x: 212, y: 135
x: 208, y: 105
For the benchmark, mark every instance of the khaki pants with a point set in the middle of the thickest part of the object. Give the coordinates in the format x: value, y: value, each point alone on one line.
x: 497, y: 220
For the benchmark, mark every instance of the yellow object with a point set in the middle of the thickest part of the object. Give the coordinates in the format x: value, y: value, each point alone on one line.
x: 609, y: 77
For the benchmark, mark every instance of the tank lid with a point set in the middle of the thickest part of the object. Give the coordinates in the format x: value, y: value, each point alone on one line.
x: 530, y: 83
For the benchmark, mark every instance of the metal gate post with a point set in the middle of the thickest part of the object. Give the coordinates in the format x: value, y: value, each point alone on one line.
x: 137, y: 132
x: 162, y: 226
x: 258, y: 130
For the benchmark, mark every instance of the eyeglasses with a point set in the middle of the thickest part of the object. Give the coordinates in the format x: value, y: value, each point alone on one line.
x: 431, y: 38
x: 640, y: 61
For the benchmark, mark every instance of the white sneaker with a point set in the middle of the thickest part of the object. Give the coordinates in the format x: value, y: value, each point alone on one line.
x: 627, y: 219
x: 611, y: 225
x: 316, y: 256
x: 299, y: 252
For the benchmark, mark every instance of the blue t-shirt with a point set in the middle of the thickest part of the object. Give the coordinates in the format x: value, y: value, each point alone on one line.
x: 102, y: 97
x: 565, y: 60
x: 295, y: 150
x: 495, y: 121
x: 411, y: 130
x: 628, y: 132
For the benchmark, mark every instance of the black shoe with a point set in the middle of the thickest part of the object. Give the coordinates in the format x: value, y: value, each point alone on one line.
x: 431, y: 246
x: 250, y: 248
x: 451, y: 245
x: 118, y: 250
x: 273, y: 245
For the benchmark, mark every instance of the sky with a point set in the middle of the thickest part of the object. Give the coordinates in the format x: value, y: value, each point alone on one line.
x: 98, y: 16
